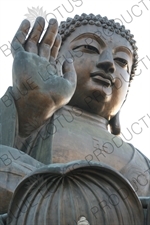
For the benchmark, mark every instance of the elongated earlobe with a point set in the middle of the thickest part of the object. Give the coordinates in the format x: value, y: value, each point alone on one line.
x: 114, y: 124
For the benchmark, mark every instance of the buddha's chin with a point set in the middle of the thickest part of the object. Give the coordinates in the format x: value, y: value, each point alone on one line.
x: 94, y: 105
x: 92, y: 98
x: 104, y: 91
x: 100, y: 94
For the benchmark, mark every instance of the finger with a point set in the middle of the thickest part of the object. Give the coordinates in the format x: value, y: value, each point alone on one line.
x: 69, y: 71
x: 20, y: 36
x: 56, y: 46
x: 31, y: 44
x: 53, y: 67
x: 48, y: 39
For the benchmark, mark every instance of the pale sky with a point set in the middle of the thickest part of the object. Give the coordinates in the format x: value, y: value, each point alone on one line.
x: 134, y: 14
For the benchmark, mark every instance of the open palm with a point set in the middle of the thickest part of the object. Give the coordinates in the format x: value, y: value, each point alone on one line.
x: 37, y: 78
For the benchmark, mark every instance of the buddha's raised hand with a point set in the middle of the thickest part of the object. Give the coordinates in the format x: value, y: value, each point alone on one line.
x: 39, y: 88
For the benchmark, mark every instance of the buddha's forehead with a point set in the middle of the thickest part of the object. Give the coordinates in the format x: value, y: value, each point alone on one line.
x: 89, y: 33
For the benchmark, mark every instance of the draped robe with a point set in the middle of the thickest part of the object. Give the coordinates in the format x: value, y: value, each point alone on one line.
x: 71, y: 134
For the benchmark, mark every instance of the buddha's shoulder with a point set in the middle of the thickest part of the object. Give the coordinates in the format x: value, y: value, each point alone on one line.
x: 125, y: 147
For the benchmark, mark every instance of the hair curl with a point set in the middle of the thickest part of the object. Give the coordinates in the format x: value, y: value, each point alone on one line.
x: 69, y: 26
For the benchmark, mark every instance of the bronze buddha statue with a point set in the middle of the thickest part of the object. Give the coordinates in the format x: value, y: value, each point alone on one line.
x: 68, y: 89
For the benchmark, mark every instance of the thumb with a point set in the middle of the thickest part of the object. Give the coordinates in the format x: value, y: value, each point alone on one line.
x: 69, y: 72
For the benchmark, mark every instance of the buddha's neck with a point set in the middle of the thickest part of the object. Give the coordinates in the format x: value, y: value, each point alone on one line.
x: 90, y: 117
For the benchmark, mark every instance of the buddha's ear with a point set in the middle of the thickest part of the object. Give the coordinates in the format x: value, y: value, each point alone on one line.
x: 114, y: 124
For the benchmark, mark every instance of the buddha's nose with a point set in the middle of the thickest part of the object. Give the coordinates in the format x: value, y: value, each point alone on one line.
x: 106, y: 62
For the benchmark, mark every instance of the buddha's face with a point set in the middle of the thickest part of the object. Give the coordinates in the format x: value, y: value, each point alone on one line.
x: 103, y: 64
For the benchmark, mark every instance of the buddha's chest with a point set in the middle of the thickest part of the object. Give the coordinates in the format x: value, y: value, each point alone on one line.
x: 80, y: 137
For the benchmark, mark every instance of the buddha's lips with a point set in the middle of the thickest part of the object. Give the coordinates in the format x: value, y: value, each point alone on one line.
x: 102, y: 79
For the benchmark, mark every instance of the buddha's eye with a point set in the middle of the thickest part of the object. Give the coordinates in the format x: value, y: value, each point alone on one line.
x: 122, y: 62
x: 87, y: 48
